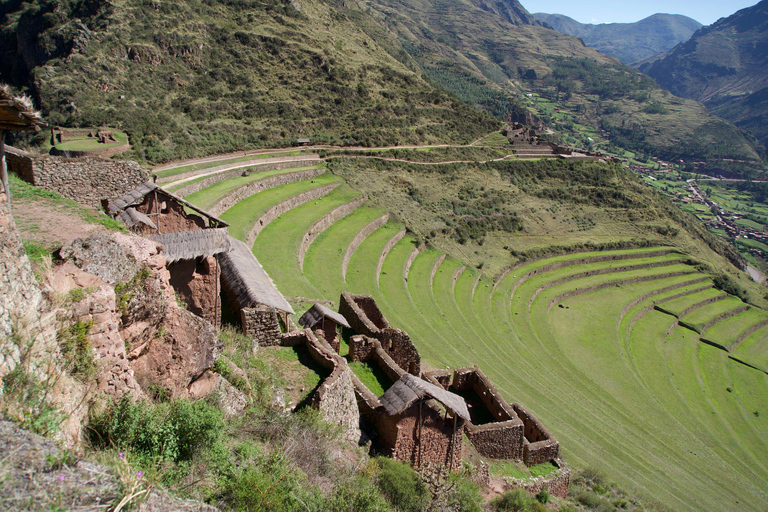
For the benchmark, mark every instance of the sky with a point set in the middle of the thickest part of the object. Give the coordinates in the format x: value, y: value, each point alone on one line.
x: 705, y: 12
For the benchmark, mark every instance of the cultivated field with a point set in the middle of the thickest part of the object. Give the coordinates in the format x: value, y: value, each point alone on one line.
x: 605, y: 348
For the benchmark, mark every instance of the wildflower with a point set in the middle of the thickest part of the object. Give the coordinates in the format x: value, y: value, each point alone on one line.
x: 121, y: 455
x: 61, y: 478
x: 140, y: 474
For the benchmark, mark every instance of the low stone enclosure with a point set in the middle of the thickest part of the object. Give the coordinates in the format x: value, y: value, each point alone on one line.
x: 497, y: 429
x: 421, y: 420
x: 365, y: 317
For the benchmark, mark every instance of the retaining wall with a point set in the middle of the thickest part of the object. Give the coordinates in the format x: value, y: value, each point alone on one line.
x: 19, y: 294
x: 358, y: 240
x: 261, y: 324
x: 286, y: 206
x: 197, y: 186
x: 392, y: 242
x: 335, y: 397
x: 103, y: 153
x: 235, y: 196
x: 86, y: 180
x: 197, y: 284
x: 324, y: 223
x: 555, y: 483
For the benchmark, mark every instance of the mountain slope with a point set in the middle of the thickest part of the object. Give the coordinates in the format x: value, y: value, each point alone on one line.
x: 725, y: 66
x: 629, y: 42
x: 199, y: 77
x: 577, y: 91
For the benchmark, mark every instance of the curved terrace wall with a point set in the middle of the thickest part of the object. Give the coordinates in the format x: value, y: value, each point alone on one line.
x: 324, y: 223
x: 286, y: 206
x: 359, y: 239
x: 235, y: 166
x: 204, y: 183
x: 388, y: 247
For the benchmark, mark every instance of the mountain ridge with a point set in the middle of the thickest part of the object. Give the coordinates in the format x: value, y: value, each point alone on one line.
x: 629, y: 42
x: 725, y: 66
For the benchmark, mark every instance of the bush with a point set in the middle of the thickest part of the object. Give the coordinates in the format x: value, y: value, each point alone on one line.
x: 543, y: 497
x: 164, y: 432
x: 401, y: 485
x: 517, y: 501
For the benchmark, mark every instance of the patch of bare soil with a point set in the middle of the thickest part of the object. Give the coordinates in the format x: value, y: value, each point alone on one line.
x: 49, y: 224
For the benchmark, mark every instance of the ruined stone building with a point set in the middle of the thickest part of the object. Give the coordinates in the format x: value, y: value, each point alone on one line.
x: 192, y: 240
x: 325, y: 321
x: 251, y: 294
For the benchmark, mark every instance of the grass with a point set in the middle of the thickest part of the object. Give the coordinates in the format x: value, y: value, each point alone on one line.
x: 210, y: 195
x: 86, y: 143
x: 754, y: 349
x: 607, y: 375
x: 243, y: 215
x: 175, y: 171
x: 705, y: 314
x: 372, y: 376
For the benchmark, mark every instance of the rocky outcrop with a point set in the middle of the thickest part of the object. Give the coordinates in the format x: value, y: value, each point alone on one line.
x: 33, y: 482
x: 102, y: 256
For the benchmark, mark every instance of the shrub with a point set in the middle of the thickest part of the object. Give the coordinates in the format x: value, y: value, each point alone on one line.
x: 76, y: 349
x: 543, y: 496
x: 25, y: 401
x: 401, y: 485
x: 164, y: 432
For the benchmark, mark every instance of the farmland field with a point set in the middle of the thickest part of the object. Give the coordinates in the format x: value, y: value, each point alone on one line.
x: 575, y: 338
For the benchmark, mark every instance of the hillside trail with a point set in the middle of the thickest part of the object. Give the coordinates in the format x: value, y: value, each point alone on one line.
x: 49, y: 224
x: 256, y: 153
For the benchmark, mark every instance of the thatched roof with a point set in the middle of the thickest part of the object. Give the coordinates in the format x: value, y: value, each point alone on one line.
x: 410, y: 390
x: 188, y: 245
x: 317, y: 312
x: 17, y: 112
x: 245, y: 276
x: 131, y: 217
x: 136, y: 197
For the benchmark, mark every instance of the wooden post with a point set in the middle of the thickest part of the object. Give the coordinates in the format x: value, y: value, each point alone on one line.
x: 453, y: 443
x: 4, y: 169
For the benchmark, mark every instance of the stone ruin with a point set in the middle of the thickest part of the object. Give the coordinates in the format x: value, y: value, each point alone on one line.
x: 428, y: 428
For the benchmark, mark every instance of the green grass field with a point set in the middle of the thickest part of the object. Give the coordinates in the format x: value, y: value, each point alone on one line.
x: 573, y: 337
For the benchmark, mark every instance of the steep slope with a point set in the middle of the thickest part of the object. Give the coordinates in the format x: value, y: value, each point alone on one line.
x: 200, y: 77
x: 725, y: 66
x: 490, y: 62
x: 628, y: 42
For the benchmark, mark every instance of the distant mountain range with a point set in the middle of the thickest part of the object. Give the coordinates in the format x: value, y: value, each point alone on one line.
x: 725, y: 66
x: 629, y: 42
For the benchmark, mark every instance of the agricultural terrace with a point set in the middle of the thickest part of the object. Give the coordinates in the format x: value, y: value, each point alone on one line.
x: 636, y: 363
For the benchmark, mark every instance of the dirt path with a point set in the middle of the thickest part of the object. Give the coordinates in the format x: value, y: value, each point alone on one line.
x: 49, y: 224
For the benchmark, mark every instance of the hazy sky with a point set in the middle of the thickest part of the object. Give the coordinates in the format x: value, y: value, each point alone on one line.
x: 623, y: 11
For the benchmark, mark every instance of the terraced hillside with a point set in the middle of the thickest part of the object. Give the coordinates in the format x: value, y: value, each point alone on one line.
x: 632, y: 358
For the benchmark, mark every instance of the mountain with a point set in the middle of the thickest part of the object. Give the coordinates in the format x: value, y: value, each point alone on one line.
x: 193, y: 78
x: 629, y: 42
x: 578, y: 92
x: 203, y: 77
x: 725, y: 66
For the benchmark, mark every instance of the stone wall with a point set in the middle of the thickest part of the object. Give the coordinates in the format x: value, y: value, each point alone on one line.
x: 335, y: 397
x: 324, y: 223
x: 196, y: 283
x: 287, y: 205
x: 86, y: 180
x: 499, y: 439
x: 388, y: 247
x: 261, y: 324
x: 424, y: 436
x: 399, y: 346
x: 359, y: 238
x: 235, y: 196
x: 363, y: 315
x: 240, y: 167
x: 20, y: 297
x: 555, y: 483
x: 538, y: 444
x: 369, y: 350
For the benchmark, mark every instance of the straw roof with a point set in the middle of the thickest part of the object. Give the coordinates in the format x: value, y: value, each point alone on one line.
x: 131, y: 217
x: 410, y: 389
x: 136, y: 197
x: 188, y: 245
x: 317, y: 312
x: 245, y: 276
x: 17, y: 112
